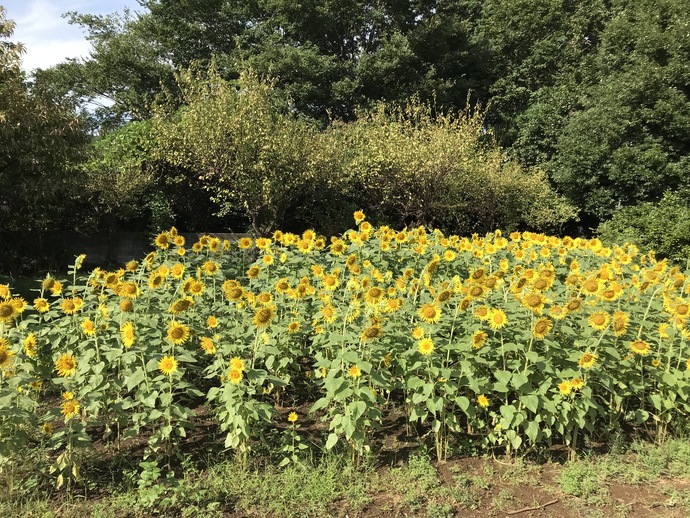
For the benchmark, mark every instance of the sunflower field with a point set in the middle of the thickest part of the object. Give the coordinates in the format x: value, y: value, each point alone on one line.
x: 513, y: 342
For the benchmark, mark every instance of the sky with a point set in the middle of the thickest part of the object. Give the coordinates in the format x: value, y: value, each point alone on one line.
x: 48, y: 37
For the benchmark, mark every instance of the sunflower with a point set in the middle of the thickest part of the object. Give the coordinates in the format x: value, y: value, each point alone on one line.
x: 292, y: 417
x: 70, y: 409
x: 212, y: 322
x: 483, y: 401
x: 177, y: 270
x: 587, y: 360
x: 355, y: 371
x: 181, y: 305
x: 268, y: 259
x: 264, y: 299
x: 425, y: 346
x: 162, y: 240
x: 7, y: 312
x: 374, y: 295
x: 263, y: 317
x: 237, y: 364
x: 497, y: 319
x: 417, y: 333
x: 196, y: 288
x: 565, y: 387
x: 359, y: 216
x: 210, y: 267
x: 88, y: 327
x: 177, y: 333
x: 599, y: 320
x: 534, y: 302
x: 167, y: 365
x: 541, y: 328
x: 66, y: 365
x: 30, y: 345
x: 155, y: 280
x: 574, y: 305
x: 557, y: 312
x: 338, y: 248
x: 293, y: 327
x: 476, y: 291
x: 6, y: 353
x: 478, y: 339
x: 127, y: 334
x: 282, y: 286
x: 330, y: 282
x: 235, y: 376
x: 253, y: 272
x: 372, y: 332
x: 56, y: 288
x: 482, y: 312
x: 41, y: 305
x: 328, y: 313
x: 577, y: 383
x: 234, y: 294
x: 208, y: 346
x: 429, y: 313
x: 620, y: 323
x: 640, y: 347
x: 129, y: 290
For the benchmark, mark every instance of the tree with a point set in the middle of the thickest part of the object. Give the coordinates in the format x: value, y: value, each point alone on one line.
x: 41, y: 140
x: 240, y: 142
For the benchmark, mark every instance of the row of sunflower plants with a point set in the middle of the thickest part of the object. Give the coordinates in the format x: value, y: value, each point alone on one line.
x: 514, y: 341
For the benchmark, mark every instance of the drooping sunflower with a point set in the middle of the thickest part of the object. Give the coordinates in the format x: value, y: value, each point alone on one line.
x: 429, y: 313
x: 126, y: 306
x: 177, y: 333
x: 254, y: 272
x: 640, y: 347
x: 587, y: 360
x: 167, y: 365
x: 181, y: 305
x: 208, y: 346
x: 129, y: 290
x: 265, y: 299
x: 479, y: 338
x: 574, y: 305
x: 30, y: 345
x: 66, y: 365
x: 127, y: 334
x: 620, y: 323
x: 541, y: 328
x: 425, y: 346
x: 372, y: 332
x: 262, y: 318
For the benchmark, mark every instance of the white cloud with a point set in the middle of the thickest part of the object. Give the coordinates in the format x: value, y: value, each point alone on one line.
x: 48, y: 37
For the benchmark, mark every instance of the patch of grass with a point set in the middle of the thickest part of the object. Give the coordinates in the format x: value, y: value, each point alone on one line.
x: 583, y: 480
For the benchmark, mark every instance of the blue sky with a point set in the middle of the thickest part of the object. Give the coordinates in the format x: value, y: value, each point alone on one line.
x: 48, y: 38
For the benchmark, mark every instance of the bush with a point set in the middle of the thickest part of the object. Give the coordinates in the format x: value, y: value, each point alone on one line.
x: 663, y: 226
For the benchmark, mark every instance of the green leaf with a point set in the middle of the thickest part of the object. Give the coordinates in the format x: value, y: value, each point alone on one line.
x: 331, y: 441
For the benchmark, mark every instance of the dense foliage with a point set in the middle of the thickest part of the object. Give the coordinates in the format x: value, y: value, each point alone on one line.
x: 593, y: 94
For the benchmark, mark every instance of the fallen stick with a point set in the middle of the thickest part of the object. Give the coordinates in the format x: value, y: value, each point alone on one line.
x: 537, y: 508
